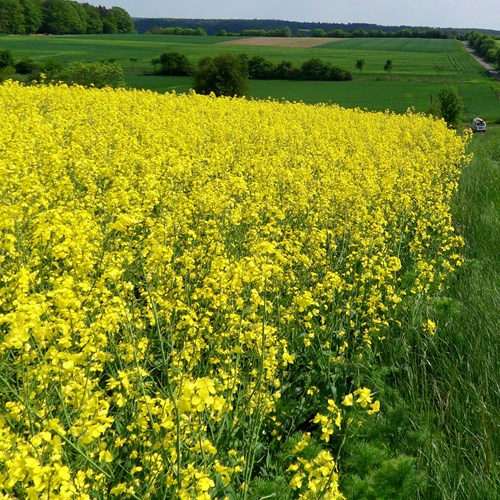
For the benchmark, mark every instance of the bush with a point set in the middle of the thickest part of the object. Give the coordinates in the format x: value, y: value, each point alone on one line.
x: 449, y: 106
x: 316, y: 69
x: 90, y: 74
x: 26, y: 66
x: 7, y: 73
x: 223, y: 75
x: 174, y: 64
x: 260, y: 68
x: 6, y: 59
x: 285, y: 70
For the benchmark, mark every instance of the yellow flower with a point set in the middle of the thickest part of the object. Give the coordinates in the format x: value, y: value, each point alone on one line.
x: 364, y: 396
x: 430, y: 327
x: 374, y: 407
x: 159, y: 269
x: 348, y: 400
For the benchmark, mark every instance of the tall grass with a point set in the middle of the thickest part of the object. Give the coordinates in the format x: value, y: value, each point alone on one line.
x: 464, y: 453
x: 443, y: 391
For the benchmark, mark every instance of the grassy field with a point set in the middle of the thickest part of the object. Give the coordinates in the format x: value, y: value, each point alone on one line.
x: 420, y: 68
x: 410, y: 57
x: 452, y: 381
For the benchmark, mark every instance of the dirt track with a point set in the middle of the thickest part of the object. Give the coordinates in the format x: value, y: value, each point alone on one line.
x: 492, y: 71
x: 271, y: 41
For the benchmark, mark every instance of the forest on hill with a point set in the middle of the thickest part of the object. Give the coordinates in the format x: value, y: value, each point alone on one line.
x: 64, y: 17
x: 239, y: 26
x: 61, y: 17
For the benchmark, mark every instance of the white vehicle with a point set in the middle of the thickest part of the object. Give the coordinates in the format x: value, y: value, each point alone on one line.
x: 478, y: 125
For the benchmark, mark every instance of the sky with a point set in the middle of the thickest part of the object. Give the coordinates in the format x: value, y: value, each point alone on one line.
x: 433, y: 13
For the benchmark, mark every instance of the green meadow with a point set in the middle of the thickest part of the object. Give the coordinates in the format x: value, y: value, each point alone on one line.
x: 421, y: 67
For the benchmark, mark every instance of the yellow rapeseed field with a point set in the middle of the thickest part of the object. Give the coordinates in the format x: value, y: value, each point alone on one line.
x: 176, y: 269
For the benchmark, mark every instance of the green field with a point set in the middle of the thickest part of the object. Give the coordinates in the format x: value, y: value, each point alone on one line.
x: 420, y: 67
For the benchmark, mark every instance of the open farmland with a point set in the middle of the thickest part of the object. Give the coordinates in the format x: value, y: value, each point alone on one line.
x: 420, y: 67
x: 192, y: 288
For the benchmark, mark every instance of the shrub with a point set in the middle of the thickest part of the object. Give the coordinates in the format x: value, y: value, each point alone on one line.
x: 6, y: 73
x: 260, y: 68
x: 316, y: 69
x: 173, y: 64
x: 448, y: 106
x: 90, y: 74
x: 26, y: 66
x: 223, y: 75
x: 6, y: 59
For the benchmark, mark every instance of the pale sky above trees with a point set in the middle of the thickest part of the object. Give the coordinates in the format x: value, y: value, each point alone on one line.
x: 433, y: 13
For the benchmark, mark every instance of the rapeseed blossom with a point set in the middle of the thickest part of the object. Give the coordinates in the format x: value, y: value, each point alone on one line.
x: 170, y: 263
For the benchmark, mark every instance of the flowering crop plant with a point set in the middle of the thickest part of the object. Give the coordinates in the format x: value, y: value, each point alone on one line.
x: 185, y: 281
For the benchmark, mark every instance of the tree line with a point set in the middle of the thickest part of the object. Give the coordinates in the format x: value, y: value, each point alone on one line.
x: 485, y: 45
x: 286, y: 31
x: 337, y: 30
x: 61, y: 17
x: 89, y: 74
x: 256, y: 68
x: 175, y: 30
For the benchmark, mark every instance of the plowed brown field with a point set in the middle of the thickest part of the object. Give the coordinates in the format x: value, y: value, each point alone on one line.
x: 270, y: 41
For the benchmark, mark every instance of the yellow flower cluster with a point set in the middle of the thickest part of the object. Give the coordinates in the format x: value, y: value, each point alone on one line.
x: 314, y: 478
x: 165, y: 260
x: 364, y: 398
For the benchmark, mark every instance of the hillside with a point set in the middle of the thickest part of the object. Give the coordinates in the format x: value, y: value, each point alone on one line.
x: 214, y: 26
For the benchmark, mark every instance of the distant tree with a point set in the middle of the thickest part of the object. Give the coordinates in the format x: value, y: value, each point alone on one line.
x: 252, y: 32
x: 225, y: 74
x: 122, y: 20
x: 318, y: 33
x: 94, y: 22
x: 32, y: 10
x: 174, y: 63
x: 11, y: 17
x: 388, y: 65
x: 315, y: 69
x: 339, y: 74
x: 222, y: 33
x: 285, y: 70
x: 286, y: 31
x: 63, y: 18
x: 358, y: 33
x: 486, y: 44
x: 260, y: 68
x: 449, y: 106
x: 116, y: 20
x: 360, y: 64
x: 338, y: 33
